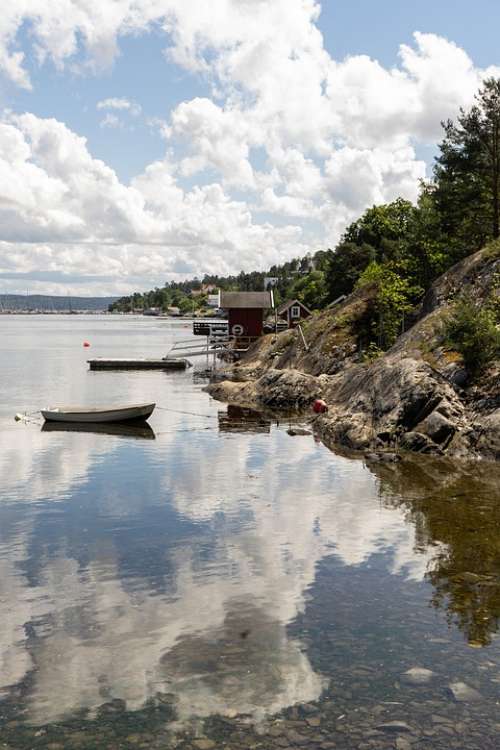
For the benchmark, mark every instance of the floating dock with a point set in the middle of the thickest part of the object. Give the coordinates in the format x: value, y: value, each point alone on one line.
x: 139, y: 364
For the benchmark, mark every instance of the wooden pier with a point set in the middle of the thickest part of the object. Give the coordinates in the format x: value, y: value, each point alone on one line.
x: 139, y: 364
x: 218, y: 343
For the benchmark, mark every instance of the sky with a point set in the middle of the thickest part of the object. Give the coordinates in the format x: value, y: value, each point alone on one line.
x: 143, y: 141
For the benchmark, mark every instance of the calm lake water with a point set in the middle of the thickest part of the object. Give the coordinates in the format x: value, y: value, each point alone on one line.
x: 215, y: 583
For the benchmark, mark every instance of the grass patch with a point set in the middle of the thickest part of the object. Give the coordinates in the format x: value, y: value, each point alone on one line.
x: 492, y: 250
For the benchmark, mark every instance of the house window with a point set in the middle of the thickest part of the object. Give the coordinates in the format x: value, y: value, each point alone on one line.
x: 295, y: 312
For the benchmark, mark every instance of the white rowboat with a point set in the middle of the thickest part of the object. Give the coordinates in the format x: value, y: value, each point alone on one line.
x: 98, y: 414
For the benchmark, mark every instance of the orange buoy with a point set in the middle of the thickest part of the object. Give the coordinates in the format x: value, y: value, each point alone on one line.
x: 86, y: 344
x: 320, y: 406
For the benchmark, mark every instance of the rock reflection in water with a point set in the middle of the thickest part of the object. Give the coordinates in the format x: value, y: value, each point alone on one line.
x: 239, y: 419
x: 456, y: 509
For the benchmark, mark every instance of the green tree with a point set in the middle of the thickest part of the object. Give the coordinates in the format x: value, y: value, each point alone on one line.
x: 424, y: 253
x: 310, y: 289
x: 467, y: 173
x: 380, y: 235
x: 394, y: 298
x: 383, y: 228
x: 346, y: 265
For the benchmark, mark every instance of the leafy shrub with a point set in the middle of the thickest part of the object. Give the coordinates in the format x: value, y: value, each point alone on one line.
x: 471, y: 330
x: 372, y: 353
x: 393, y: 300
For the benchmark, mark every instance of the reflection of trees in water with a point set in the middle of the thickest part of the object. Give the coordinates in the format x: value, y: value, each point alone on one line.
x: 457, y: 509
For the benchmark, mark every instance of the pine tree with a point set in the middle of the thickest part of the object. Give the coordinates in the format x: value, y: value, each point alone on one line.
x: 467, y: 173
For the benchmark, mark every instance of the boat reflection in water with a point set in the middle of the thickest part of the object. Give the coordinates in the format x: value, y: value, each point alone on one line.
x: 140, y: 430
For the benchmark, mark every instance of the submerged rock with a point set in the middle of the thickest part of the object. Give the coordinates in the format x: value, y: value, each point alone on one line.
x: 298, y: 432
x: 463, y: 693
x: 314, y: 721
x: 297, y: 739
x: 417, y: 676
x: 309, y: 708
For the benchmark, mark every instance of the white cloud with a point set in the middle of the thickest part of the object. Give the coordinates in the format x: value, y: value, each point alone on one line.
x: 120, y: 104
x: 283, y: 130
x: 61, y: 29
x: 219, y: 139
x: 63, y: 211
x: 111, y: 121
x: 364, y: 177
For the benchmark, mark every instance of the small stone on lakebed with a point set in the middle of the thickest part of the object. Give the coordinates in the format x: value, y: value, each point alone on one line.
x: 417, y: 676
x: 394, y: 726
x: 463, y: 693
x: 204, y: 744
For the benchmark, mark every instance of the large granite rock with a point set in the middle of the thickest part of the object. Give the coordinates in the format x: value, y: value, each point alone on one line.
x: 276, y: 390
x: 488, y: 435
x: 394, y: 403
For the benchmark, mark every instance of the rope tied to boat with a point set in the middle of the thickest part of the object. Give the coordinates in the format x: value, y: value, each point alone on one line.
x: 27, y: 417
x: 188, y: 413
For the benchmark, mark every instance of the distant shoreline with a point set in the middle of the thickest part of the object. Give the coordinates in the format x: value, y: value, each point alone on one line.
x: 54, y: 312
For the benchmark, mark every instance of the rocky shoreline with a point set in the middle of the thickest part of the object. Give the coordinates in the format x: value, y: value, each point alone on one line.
x: 415, y: 397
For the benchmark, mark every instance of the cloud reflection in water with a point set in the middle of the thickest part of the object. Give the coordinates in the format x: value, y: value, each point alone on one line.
x: 178, y: 569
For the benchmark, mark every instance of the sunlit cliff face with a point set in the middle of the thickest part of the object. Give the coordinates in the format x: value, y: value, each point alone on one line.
x: 91, y: 617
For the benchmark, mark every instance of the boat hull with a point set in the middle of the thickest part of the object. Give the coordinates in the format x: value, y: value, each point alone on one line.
x: 135, y: 413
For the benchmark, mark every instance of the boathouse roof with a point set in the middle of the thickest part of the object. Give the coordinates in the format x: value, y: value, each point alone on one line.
x: 246, y: 300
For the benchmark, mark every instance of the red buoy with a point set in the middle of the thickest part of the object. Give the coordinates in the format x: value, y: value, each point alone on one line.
x: 86, y: 344
x: 320, y: 406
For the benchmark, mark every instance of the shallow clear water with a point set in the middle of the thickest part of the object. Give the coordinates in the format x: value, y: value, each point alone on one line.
x: 214, y: 582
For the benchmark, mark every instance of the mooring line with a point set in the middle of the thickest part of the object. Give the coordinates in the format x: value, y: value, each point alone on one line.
x: 175, y: 432
x: 26, y: 416
x: 27, y: 420
x: 189, y: 413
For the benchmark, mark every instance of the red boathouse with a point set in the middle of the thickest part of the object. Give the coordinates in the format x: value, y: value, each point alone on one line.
x: 245, y: 312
